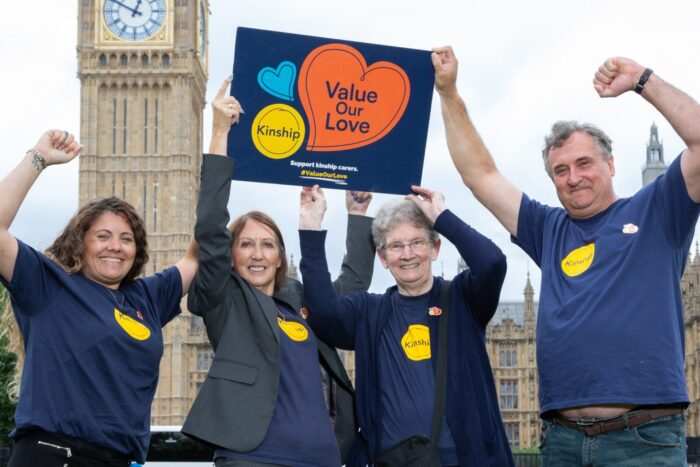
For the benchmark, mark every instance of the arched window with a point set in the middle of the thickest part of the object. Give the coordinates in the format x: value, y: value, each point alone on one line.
x: 123, y: 60
x: 103, y: 60
x: 166, y: 60
x: 144, y: 60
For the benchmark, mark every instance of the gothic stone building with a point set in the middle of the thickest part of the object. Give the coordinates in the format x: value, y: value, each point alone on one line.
x: 690, y: 290
x: 510, y: 342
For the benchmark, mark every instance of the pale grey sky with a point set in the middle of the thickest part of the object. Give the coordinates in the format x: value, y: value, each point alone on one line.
x: 523, y: 65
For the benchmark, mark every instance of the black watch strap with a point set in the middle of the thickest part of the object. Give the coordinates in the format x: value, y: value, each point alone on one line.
x: 643, y: 80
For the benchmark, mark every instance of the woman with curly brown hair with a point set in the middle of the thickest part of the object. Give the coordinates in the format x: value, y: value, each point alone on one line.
x: 87, y: 330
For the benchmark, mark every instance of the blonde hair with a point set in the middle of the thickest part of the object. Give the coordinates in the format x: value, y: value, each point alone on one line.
x: 9, y: 331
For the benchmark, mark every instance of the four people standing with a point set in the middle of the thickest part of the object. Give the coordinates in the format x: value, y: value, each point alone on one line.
x: 610, y: 349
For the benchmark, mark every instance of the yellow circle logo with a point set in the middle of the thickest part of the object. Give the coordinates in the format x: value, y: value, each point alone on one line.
x: 278, y: 131
x: 132, y: 327
x: 295, y: 331
x: 578, y: 261
x: 416, y: 342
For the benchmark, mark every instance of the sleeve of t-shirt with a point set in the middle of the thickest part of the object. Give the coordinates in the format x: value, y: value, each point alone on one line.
x: 678, y: 213
x: 531, y: 222
x: 34, y: 283
x: 164, y: 289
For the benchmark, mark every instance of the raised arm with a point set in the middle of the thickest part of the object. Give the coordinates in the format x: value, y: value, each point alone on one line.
x: 53, y: 147
x: 210, y: 231
x: 487, y: 263
x: 226, y: 112
x: 358, y: 262
x: 469, y: 153
x: 618, y: 75
x: 331, y: 317
x: 188, y: 265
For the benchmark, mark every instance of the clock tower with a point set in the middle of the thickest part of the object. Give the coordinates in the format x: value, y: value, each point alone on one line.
x: 142, y: 66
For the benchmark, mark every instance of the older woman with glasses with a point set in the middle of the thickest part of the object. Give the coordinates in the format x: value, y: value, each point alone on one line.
x: 394, y: 334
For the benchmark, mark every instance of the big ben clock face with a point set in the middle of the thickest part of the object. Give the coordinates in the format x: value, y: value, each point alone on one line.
x: 134, y: 20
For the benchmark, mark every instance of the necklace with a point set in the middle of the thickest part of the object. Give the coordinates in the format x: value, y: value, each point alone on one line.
x: 118, y: 304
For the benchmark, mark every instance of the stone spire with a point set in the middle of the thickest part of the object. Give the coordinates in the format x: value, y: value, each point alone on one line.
x: 655, y: 164
x: 292, y: 269
x: 529, y: 294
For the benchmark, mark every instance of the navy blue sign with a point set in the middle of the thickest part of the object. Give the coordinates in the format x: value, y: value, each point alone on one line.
x: 335, y: 113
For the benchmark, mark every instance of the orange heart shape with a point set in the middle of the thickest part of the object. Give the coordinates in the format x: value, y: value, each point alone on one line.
x: 348, y: 104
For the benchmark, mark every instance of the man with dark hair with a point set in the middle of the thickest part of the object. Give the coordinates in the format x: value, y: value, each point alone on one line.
x: 610, y: 343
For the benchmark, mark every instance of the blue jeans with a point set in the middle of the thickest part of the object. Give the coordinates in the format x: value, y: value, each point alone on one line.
x: 658, y: 443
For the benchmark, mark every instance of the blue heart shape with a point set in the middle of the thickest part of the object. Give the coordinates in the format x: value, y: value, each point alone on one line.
x: 279, y: 82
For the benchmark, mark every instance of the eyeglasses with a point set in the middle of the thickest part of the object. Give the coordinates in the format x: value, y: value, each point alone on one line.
x: 415, y: 246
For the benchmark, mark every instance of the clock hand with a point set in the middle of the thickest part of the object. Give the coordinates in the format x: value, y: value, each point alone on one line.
x: 133, y: 11
x: 136, y: 9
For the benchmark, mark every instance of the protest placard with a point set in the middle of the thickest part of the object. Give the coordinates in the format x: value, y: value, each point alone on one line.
x: 340, y: 114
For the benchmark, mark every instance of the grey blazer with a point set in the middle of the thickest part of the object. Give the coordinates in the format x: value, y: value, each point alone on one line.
x: 235, y: 404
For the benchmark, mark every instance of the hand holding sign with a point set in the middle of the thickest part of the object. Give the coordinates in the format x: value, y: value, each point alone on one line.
x: 357, y: 202
x: 445, y: 64
x: 312, y: 208
x: 226, y: 112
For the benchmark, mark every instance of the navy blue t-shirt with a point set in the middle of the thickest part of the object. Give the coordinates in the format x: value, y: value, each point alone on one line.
x: 300, y: 432
x: 610, y: 323
x: 92, y: 353
x: 408, y: 378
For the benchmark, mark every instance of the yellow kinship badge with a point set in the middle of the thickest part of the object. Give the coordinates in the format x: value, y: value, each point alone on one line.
x: 132, y: 327
x: 295, y: 331
x: 416, y: 342
x: 579, y: 260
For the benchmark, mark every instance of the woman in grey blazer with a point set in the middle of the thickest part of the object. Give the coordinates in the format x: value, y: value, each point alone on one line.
x: 262, y: 402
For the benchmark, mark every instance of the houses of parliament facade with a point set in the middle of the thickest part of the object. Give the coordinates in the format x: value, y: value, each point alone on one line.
x: 143, y: 81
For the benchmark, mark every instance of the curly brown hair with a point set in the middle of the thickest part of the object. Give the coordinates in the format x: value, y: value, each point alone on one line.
x: 236, y: 227
x: 67, y: 250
